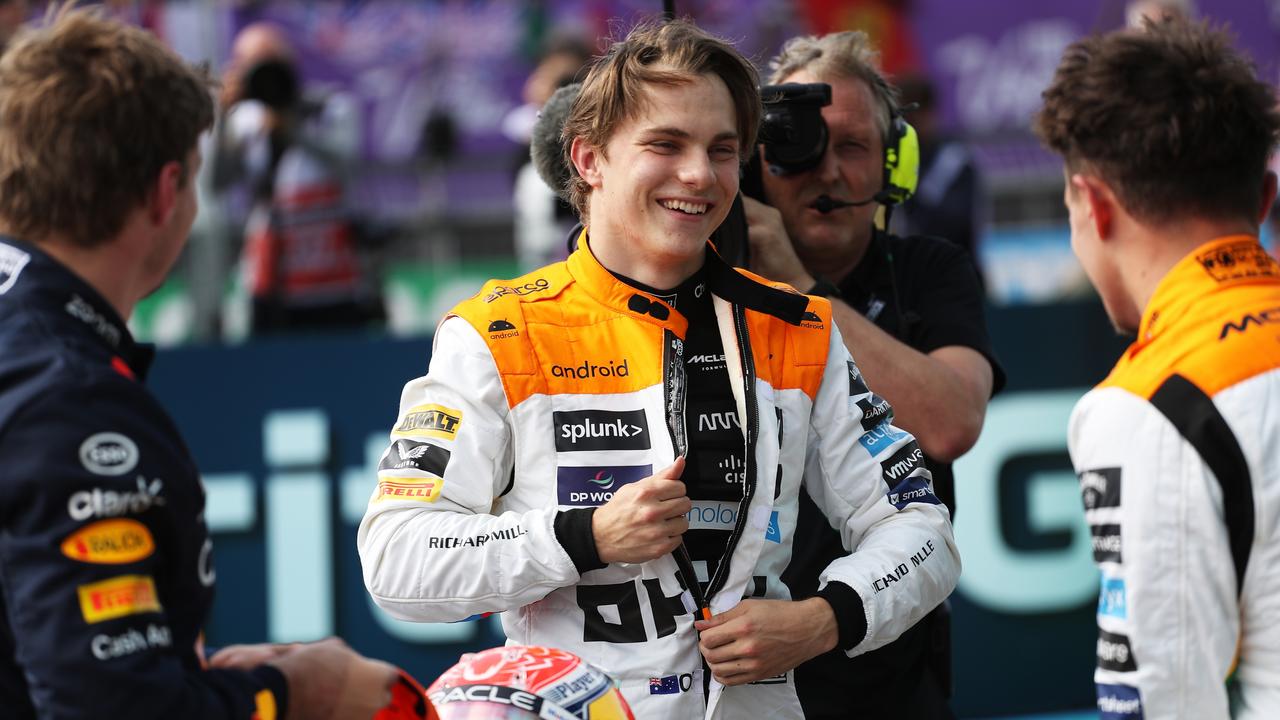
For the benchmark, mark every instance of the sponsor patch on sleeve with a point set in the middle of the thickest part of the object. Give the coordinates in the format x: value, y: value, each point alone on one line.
x: 1114, y: 653
x: 110, y: 542
x: 118, y: 597
x: 410, y: 455
x: 880, y: 438
x: 419, y: 489
x: 1112, y: 600
x: 1100, y: 488
x: 1119, y: 702
x: 429, y: 421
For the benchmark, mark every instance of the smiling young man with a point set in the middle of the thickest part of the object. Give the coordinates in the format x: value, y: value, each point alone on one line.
x: 1165, y: 134
x: 581, y: 423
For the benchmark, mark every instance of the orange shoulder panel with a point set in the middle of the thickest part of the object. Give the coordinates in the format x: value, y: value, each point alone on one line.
x: 790, y: 356
x: 572, y: 345
x: 1225, y: 338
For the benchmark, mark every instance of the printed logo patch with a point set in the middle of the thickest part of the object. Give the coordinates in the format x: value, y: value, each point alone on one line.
x: 530, y: 287
x: 430, y: 421
x: 1112, y: 601
x: 594, y: 430
x: 109, y: 503
x: 1106, y: 543
x: 1237, y: 261
x: 411, y: 455
x: 12, y: 260
x: 671, y: 684
x: 1100, y: 488
x: 420, y: 489
x: 1114, y: 653
x: 874, y: 409
x: 1118, y: 702
x: 108, y: 453
x: 880, y: 438
x: 857, y: 386
x: 774, y: 533
x: 589, y: 486
x: 118, y: 597
x: 110, y: 542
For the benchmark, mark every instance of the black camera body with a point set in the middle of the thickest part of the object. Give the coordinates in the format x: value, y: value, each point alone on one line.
x: 794, y: 137
x: 274, y: 83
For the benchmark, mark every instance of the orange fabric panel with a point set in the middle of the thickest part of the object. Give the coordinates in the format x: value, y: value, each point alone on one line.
x: 1214, y: 319
x: 797, y: 355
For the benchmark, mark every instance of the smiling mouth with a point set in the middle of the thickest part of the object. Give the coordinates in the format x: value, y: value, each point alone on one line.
x: 687, y: 208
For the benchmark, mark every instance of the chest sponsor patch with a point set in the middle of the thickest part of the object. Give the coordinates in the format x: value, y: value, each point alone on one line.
x: 591, y: 486
x: 118, y: 597
x: 419, y: 489
x: 411, y: 455
x: 1100, y: 488
x: 595, y: 430
x: 110, y: 542
x: 108, y: 453
x: 429, y: 421
x: 12, y: 260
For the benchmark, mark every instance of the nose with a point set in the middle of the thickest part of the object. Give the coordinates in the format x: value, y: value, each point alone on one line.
x: 829, y: 167
x: 696, y: 170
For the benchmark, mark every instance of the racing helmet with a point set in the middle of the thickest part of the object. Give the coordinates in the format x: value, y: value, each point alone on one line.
x: 526, y: 683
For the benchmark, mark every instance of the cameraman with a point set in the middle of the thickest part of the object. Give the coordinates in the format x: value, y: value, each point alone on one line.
x: 301, y: 258
x: 910, y: 310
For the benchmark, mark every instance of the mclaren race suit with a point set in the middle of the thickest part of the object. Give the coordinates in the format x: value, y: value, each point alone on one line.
x: 106, y: 566
x: 547, y: 393
x: 1178, y: 453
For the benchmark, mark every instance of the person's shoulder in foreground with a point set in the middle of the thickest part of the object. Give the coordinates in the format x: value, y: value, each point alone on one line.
x: 106, y: 565
x: 1165, y: 133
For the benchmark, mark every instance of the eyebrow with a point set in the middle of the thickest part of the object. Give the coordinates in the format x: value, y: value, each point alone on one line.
x: 677, y: 132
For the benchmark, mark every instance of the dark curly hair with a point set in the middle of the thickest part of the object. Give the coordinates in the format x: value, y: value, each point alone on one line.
x: 1172, y: 116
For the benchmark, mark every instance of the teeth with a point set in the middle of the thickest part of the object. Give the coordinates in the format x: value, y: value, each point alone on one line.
x: 685, y: 207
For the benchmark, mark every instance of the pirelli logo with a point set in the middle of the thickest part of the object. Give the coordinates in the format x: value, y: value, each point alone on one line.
x: 430, y: 421
x: 110, y: 542
x: 118, y: 597
x: 419, y: 489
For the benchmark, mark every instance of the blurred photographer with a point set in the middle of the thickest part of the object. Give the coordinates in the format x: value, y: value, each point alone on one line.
x: 301, y: 260
x: 909, y: 308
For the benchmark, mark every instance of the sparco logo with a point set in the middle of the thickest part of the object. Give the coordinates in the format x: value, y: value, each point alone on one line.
x: 110, y: 503
x: 589, y: 370
x: 580, y: 430
x: 529, y: 287
x: 108, y: 453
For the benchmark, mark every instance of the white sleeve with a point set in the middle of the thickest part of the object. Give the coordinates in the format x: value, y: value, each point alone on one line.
x: 869, y: 479
x: 430, y: 548
x: 1168, y: 619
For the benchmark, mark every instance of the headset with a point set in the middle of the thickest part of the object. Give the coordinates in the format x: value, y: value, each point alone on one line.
x: 795, y: 139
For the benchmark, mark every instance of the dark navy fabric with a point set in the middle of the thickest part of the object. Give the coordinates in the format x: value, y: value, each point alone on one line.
x: 106, y: 567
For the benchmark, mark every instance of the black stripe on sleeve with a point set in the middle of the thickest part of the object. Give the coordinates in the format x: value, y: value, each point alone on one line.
x: 1193, y: 413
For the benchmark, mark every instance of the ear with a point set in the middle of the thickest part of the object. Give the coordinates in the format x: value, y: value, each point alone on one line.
x: 587, y: 159
x: 1101, y: 201
x: 163, y: 198
x: 1268, y: 196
